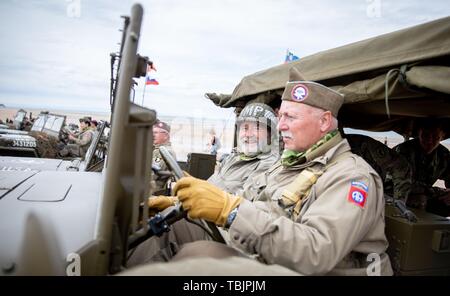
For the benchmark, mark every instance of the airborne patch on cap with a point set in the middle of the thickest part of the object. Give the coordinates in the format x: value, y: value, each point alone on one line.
x: 299, y: 93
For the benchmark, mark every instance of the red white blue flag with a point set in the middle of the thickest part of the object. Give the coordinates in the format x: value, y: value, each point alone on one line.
x: 150, y: 77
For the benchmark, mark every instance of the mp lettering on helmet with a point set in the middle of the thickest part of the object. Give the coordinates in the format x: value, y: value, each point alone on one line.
x: 358, y: 193
x: 257, y: 110
x: 299, y: 93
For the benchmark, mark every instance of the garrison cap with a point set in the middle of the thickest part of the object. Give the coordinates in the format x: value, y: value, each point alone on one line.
x: 162, y: 125
x: 311, y: 93
x: 86, y: 119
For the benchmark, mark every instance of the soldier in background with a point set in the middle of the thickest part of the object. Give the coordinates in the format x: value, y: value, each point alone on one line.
x: 213, y: 144
x: 80, y: 143
x: 393, y: 169
x: 161, y: 137
x: 429, y: 162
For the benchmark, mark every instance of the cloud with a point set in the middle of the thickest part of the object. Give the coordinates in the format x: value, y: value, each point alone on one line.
x: 51, y: 59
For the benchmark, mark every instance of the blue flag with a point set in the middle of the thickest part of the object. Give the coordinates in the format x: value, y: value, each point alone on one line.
x: 290, y: 57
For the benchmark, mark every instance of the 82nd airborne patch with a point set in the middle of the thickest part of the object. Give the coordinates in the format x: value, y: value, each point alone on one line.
x: 358, y: 193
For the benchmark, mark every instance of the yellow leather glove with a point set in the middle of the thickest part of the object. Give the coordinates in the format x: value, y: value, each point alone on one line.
x: 205, y: 201
x: 159, y: 203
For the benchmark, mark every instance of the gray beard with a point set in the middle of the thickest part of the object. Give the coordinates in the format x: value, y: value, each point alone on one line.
x: 253, y: 149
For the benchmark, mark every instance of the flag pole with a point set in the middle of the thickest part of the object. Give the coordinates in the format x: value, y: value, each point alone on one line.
x: 143, y: 94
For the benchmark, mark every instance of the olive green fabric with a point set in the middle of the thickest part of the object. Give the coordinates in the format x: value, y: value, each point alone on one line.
x: 311, y: 93
x: 416, y: 59
x: 244, y: 157
x: 233, y: 172
x: 425, y: 41
x: 290, y: 157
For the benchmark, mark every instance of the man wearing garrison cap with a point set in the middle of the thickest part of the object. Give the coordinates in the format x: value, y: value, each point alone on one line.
x: 319, y: 210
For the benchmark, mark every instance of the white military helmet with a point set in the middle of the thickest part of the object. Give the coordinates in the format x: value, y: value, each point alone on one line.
x: 259, y: 111
x: 264, y: 116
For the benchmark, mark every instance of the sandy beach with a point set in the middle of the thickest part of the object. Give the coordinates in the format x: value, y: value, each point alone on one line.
x: 187, y: 134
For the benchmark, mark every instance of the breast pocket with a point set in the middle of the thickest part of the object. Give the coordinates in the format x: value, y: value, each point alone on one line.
x: 306, y: 202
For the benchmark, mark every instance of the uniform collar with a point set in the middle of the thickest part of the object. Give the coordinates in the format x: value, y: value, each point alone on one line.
x: 259, y: 156
x: 290, y: 158
x: 339, y: 146
x: 164, y: 144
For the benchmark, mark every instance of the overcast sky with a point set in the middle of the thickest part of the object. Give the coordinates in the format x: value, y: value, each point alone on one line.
x: 55, y: 53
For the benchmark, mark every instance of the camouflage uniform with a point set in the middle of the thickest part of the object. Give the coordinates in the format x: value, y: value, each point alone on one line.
x: 393, y: 168
x: 234, y: 170
x: 161, y: 181
x: 426, y: 169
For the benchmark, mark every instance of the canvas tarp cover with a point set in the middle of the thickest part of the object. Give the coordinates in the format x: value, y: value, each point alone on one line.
x: 418, y: 62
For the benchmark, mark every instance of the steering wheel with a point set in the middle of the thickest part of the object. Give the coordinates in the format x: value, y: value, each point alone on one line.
x: 178, y: 173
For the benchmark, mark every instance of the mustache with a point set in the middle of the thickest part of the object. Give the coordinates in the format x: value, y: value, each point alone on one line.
x: 286, y: 134
x: 247, y: 140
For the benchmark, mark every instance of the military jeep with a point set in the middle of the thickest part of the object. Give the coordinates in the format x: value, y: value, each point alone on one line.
x: 390, y: 82
x: 40, y: 141
x: 84, y: 223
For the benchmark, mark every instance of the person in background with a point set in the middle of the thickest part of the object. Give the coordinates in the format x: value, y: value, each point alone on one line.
x: 429, y: 161
x: 213, y: 143
x: 80, y: 142
x: 161, y: 138
x: 393, y: 169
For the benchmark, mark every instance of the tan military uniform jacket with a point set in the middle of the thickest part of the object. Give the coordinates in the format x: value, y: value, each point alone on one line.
x: 333, y: 234
x: 160, y: 182
x: 234, y: 172
x: 84, y: 141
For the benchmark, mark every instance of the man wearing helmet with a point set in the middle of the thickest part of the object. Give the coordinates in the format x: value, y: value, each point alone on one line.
x: 256, y: 151
x: 257, y: 148
x: 320, y: 210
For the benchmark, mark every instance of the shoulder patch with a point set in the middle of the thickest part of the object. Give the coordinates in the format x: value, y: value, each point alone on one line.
x: 358, y: 193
